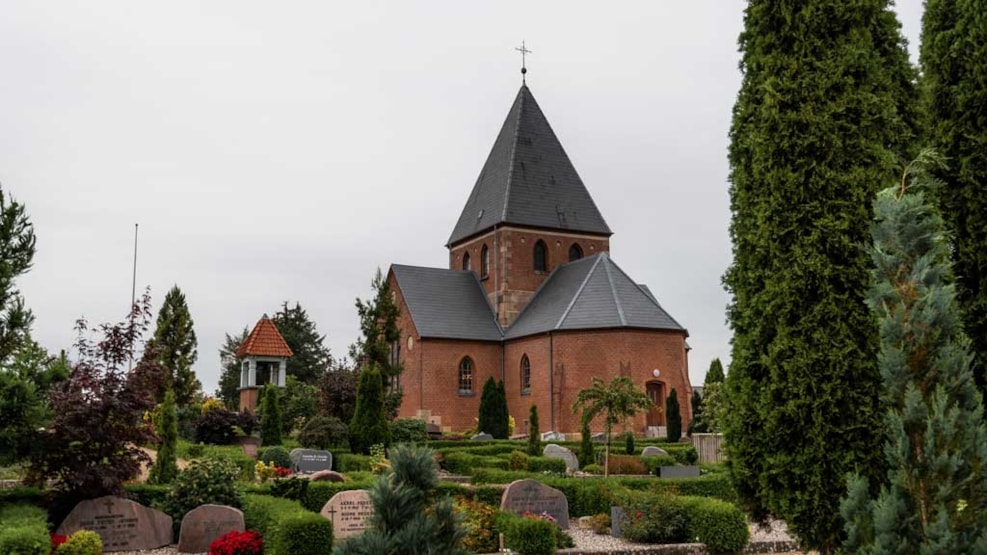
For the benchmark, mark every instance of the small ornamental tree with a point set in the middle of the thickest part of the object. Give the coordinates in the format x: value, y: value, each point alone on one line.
x: 615, y: 402
x: 534, y: 438
x: 337, y: 392
x: 369, y: 425
x: 935, y: 450
x: 409, y: 517
x: 270, y: 425
x: 674, y: 417
x: 91, y: 447
x: 166, y: 426
x: 489, y: 412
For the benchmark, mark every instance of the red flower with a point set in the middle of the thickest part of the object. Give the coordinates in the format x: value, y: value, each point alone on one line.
x: 281, y: 472
x: 57, y: 540
x: 238, y: 543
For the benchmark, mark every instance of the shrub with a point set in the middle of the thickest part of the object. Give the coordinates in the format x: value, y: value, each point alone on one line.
x: 166, y: 426
x: 203, y: 481
x: 277, y: 455
x: 302, y: 533
x: 528, y: 535
x: 24, y: 530
x: 83, y: 542
x: 687, y: 455
x: 493, y: 413
x: 629, y: 443
x: 658, y: 461
x: 654, y: 518
x: 546, y: 464
x: 517, y: 461
x: 270, y: 425
x: 322, y: 432
x: 534, y: 437
x: 293, y: 488
x: 369, y: 424
x: 186, y: 417
x: 217, y: 427
x: 479, y: 520
x: 587, y: 452
x: 409, y: 430
x: 720, y: 525
x: 674, y: 417
x: 247, y: 542
x: 600, y: 523
x: 348, y: 462
x: 626, y: 464
x: 593, y: 469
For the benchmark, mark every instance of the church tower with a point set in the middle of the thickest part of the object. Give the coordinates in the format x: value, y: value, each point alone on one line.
x: 528, y: 213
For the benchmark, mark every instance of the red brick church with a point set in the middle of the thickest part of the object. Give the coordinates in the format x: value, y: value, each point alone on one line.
x: 531, y: 297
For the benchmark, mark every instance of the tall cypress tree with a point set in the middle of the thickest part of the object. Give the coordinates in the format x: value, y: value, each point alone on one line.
x: 369, y: 425
x: 824, y: 105
x: 673, y: 417
x: 935, y: 500
x: 166, y: 427
x: 489, y: 411
x: 176, y: 346
x: 534, y: 436
x: 954, y: 79
x: 270, y: 425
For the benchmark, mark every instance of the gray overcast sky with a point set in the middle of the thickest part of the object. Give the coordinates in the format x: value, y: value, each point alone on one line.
x: 283, y: 151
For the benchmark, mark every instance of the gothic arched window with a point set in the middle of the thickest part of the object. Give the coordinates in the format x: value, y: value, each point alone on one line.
x: 466, y: 261
x: 466, y: 376
x: 541, y: 256
x: 484, y: 261
x: 575, y: 252
x: 525, y: 375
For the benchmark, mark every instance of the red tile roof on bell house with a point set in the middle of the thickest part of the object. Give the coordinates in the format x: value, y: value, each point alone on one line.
x: 264, y: 341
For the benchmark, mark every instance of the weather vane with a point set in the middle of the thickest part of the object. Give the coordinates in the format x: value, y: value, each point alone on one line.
x: 524, y: 51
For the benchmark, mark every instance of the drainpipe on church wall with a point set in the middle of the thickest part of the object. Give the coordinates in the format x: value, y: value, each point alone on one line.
x: 551, y: 379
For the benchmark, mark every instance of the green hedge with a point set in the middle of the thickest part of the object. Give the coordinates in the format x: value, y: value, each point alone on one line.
x: 149, y: 495
x: 24, y: 530
x: 546, y: 464
x: 348, y: 462
x: 282, y: 522
x: 319, y: 493
x: 459, y: 462
x: 720, y: 525
x: 22, y: 495
x: 492, y: 447
x: 494, y: 476
x: 529, y: 536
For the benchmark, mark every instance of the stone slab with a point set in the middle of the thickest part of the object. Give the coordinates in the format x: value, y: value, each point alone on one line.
x: 310, y: 461
x: 652, y: 451
x: 599, y: 437
x: 482, y: 436
x: 206, y: 524
x: 533, y: 497
x: 124, y: 525
x: 552, y: 436
x: 326, y: 476
x: 617, y: 516
x: 349, y: 512
x: 558, y: 452
x: 678, y: 471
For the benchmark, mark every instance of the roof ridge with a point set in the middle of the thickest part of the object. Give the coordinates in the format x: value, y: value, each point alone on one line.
x: 613, y: 291
x: 486, y: 299
x: 575, y: 297
x: 510, y: 157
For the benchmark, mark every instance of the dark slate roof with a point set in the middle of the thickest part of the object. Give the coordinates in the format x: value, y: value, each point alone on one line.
x: 448, y: 304
x: 528, y: 180
x: 591, y: 293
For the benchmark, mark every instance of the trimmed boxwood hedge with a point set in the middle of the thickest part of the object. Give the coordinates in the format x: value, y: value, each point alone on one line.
x: 24, y: 530
x: 720, y: 525
x: 280, y: 520
x: 22, y: 495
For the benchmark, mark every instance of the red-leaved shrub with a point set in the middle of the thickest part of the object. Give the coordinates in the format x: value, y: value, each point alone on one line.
x: 247, y: 542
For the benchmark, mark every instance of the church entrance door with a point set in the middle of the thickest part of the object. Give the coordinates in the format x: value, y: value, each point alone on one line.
x: 656, y: 414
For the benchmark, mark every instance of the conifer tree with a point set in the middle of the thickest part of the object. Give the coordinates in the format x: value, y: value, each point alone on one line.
x: 503, y: 413
x: 17, y: 243
x: 954, y: 66
x: 165, y: 466
x: 380, y: 343
x: 824, y: 105
x: 176, y: 345
x: 310, y: 356
x: 229, y: 378
x: 673, y: 417
x: 270, y: 424
x: 369, y: 425
x: 489, y: 413
x: 409, y: 517
x: 935, y: 496
x: 715, y: 373
x: 534, y: 437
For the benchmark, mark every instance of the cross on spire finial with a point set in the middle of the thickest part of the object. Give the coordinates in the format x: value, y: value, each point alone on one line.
x: 524, y: 51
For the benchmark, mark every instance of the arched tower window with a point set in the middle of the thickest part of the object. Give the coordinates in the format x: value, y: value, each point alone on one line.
x: 466, y: 261
x: 525, y: 375
x: 575, y: 252
x: 541, y: 256
x: 466, y: 376
x: 484, y: 261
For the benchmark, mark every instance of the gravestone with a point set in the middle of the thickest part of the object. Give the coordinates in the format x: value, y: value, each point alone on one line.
x: 553, y: 436
x: 349, y: 512
x: 250, y: 450
x: 326, y: 476
x: 206, y: 524
x: 482, y: 436
x: 598, y: 438
x: 678, y: 471
x: 433, y: 430
x: 617, y: 516
x: 533, y: 497
x: 309, y: 461
x: 558, y: 452
x: 124, y: 525
x: 652, y: 451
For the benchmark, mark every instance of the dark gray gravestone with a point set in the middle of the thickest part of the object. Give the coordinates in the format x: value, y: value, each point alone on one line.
x: 652, y: 451
x: 482, y: 436
x: 206, y: 524
x: 678, y: 471
x: 124, y: 525
x: 558, y: 452
x: 599, y: 438
x: 532, y: 497
x: 310, y: 461
x: 617, y: 516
